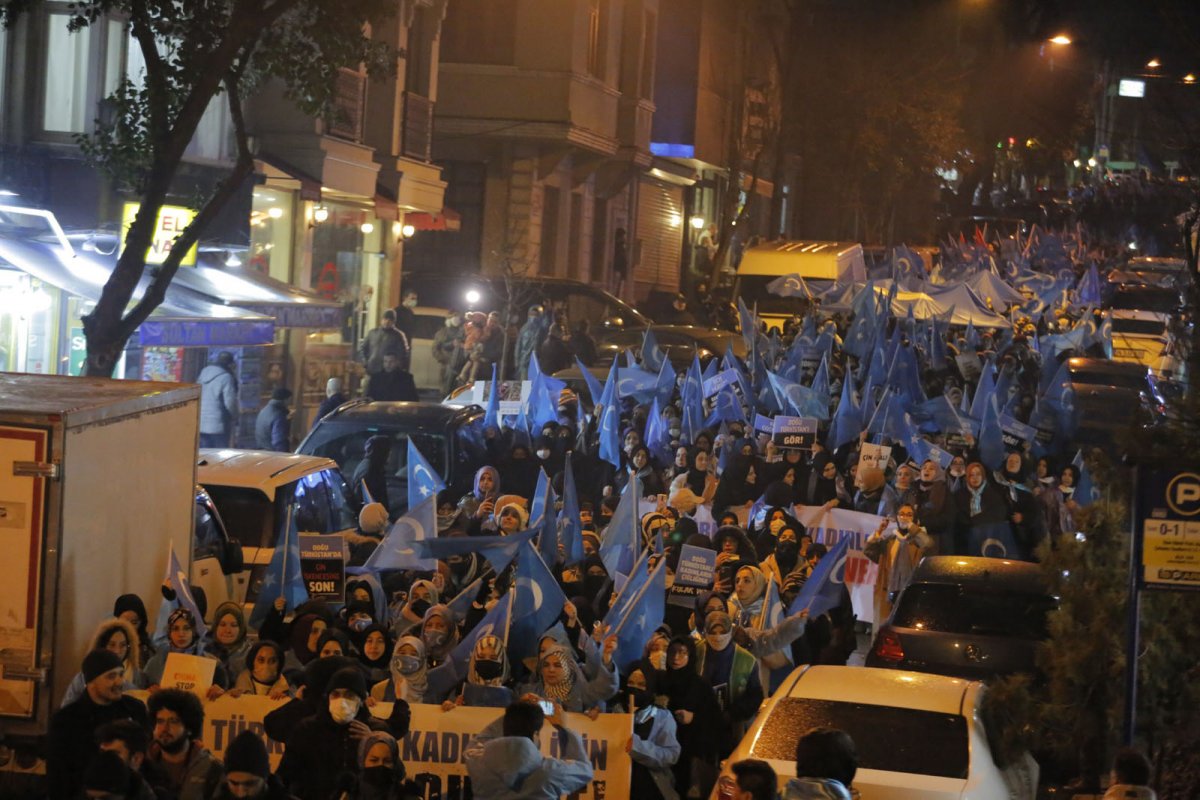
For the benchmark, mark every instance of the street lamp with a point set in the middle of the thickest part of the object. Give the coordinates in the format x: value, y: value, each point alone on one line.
x: 1189, y: 78
x: 1061, y: 39
x: 696, y: 222
x: 1153, y: 63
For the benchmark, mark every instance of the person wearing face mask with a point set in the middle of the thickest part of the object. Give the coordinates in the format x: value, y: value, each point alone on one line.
x: 785, y: 557
x: 380, y: 770
x: 408, y: 672
x: 356, y: 616
x: 487, y: 676
x: 653, y: 747
x: 732, y: 672
x: 694, y: 705
x: 558, y: 677
x: 367, y: 589
x: 896, y: 548
x: 439, y: 632
x: 421, y: 596
x: 323, y: 748
x: 263, y: 674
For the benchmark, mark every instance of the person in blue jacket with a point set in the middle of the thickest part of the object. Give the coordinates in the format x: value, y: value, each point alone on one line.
x: 505, y: 763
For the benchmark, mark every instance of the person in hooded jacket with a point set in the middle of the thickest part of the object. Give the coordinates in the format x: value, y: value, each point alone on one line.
x: 641, y: 463
x: 481, y: 502
x: 130, y: 608
x: 263, y: 672
x: 825, y: 485
x: 309, y: 696
x: 248, y: 772
x: 309, y: 621
x: 732, y: 672
x: 439, y: 632
x: 504, y: 760
x: 733, y: 550
x: 118, y: 636
x: 323, y: 748
x: 765, y: 533
x: 826, y: 763
x: 875, y: 496
x: 409, y: 614
x: 785, y: 557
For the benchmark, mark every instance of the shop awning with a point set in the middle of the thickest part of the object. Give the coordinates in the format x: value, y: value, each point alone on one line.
x: 242, y: 288
x: 185, y: 319
x: 447, y: 220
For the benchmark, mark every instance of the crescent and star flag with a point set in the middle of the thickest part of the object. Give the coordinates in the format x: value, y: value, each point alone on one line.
x: 423, y: 480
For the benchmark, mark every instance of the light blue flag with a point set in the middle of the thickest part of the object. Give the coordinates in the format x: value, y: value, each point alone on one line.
x: 622, y: 538
x: 461, y: 604
x: 847, y: 421
x: 726, y: 408
x: 984, y: 391
x: 595, y: 390
x: 642, y: 616
x: 664, y: 387
x: 710, y: 370
x: 491, y: 419
x: 554, y: 385
x: 637, y: 383
x: 543, y: 407
x: 498, y: 550
x: 692, y: 398
x: 397, y: 550
x: 820, y: 383
x: 282, y: 579
x: 746, y: 323
x: 658, y: 435
x: 570, y: 528
x: 1104, y: 335
x: 610, y: 420
x: 177, y: 579
x: 537, y: 602
x: 423, y: 481
x: 494, y: 623
x: 991, y: 437
x: 1086, y: 492
x: 823, y: 589
x: 1088, y: 291
x: 652, y: 356
x: 802, y: 401
x: 542, y: 518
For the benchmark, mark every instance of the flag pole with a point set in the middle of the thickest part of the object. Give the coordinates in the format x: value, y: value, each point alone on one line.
x: 287, y: 533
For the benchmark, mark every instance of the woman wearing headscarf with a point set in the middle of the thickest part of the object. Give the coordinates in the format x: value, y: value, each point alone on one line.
x: 479, y: 504
x: 982, y: 510
x: 641, y: 464
x: 738, y: 486
x: 697, y: 478
x: 653, y: 748
x: 263, y: 672
x: 226, y: 640
x: 824, y: 484
x: 1024, y: 512
x: 439, y: 632
x: 422, y: 595
x: 130, y: 608
x: 734, y: 550
x: 380, y: 770
x: 558, y: 677
x: 597, y: 585
x: 935, y: 507
x: 1059, y: 507
x: 785, y: 557
x: 407, y: 674
x: 896, y: 546
x: 875, y: 496
x: 119, y: 636
x: 374, y: 651
x: 733, y: 671
x: 757, y: 613
x: 694, y: 705
x: 487, y: 676
x: 182, y: 638
x: 334, y: 642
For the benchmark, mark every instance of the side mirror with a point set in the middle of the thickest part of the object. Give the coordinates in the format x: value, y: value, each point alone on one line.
x: 232, y: 561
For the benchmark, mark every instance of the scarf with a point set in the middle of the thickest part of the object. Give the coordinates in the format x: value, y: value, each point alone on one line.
x: 562, y: 690
x: 977, y: 498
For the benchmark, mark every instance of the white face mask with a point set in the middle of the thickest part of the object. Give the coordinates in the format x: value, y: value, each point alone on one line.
x: 958, y: 472
x: 342, y: 709
x: 718, y: 641
x: 776, y: 526
x: 903, y: 524
x: 658, y: 660
x: 543, y: 454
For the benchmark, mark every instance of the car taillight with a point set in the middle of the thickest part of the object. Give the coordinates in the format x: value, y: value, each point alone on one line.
x: 888, y: 647
x: 726, y: 788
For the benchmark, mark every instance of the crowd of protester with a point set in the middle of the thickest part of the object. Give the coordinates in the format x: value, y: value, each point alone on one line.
x: 959, y: 473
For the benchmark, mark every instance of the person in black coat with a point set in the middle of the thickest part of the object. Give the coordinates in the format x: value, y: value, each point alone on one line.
x: 393, y: 383
x: 322, y: 750
x: 555, y: 352
x: 72, y: 735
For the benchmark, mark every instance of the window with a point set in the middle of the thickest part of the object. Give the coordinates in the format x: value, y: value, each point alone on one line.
x: 3, y: 65
x: 649, y: 37
x: 271, y: 222
x: 887, y: 738
x: 596, y: 43
x: 65, y: 100
x: 114, y: 57
x: 946, y: 608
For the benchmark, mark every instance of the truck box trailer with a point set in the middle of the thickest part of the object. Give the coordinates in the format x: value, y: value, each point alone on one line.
x: 97, y: 484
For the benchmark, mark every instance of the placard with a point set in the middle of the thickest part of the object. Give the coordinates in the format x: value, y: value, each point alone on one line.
x: 1015, y: 432
x: 873, y: 455
x: 323, y: 566
x: 794, y: 433
x: 512, y: 395
x: 696, y: 566
x: 763, y: 423
x: 190, y: 673
x: 969, y: 366
x: 719, y: 381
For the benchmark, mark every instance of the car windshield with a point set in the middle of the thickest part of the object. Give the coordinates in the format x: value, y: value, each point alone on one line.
x: 248, y: 514
x: 208, y: 542
x: 1147, y: 299
x: 950, y: 608
x: 1123, y: 379
x: 887, y: 738
x: 1141, y: 327
x: 322, y: 503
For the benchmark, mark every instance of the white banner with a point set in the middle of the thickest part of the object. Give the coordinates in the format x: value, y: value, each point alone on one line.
x: 830, y: 527
x: 190, y: 673
x: 433, y: 750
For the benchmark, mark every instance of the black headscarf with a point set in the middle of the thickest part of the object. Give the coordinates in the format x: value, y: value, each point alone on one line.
x: 696, y: 478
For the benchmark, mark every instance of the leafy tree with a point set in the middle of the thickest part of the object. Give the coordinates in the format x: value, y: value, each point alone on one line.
x: 194, y: 52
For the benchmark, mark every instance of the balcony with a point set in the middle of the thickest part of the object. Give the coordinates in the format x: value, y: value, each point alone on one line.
x: 349, y: 105
x: 418, y: 127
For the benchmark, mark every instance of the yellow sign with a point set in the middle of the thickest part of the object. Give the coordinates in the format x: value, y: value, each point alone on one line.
x: 172, y: 221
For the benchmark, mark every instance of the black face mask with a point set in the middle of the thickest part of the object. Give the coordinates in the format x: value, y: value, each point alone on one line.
x: 419, y: 607
x: 786, y: 552
x: 488, y: 670
x: 379, y: 777
x: 641, y: 697
x: 572, y: 588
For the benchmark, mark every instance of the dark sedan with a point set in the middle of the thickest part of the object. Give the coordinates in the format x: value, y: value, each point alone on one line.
x: 449, y: 437
x: 678, y: 342
x: 967, y: 617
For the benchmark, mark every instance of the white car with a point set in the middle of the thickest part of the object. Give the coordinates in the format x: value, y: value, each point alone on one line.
x: 918, y: 736
x: 252, y: 490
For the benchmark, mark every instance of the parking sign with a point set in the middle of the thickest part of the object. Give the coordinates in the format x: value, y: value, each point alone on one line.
x: 1167, y: 527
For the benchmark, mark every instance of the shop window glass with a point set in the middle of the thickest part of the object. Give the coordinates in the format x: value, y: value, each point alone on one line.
x: 65, y: 107
x: 114, y: 57
x: 28, y: 309
x: 271, y: 221
x: 337, y: 261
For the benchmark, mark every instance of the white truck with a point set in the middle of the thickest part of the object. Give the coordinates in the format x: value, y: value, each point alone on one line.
x: 97, y: 483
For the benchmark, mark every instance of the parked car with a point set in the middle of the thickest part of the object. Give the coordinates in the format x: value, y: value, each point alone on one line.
x: 967, y: 617
x: 918, y: 736
x: 488, y: 293
x: 450, y: 437
x: 678, y: 342
x: 1108, y: 397
x: 256, y: 492
x: 217, y: 559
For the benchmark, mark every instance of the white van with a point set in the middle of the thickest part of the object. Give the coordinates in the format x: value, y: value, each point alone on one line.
x: 831, y: 262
